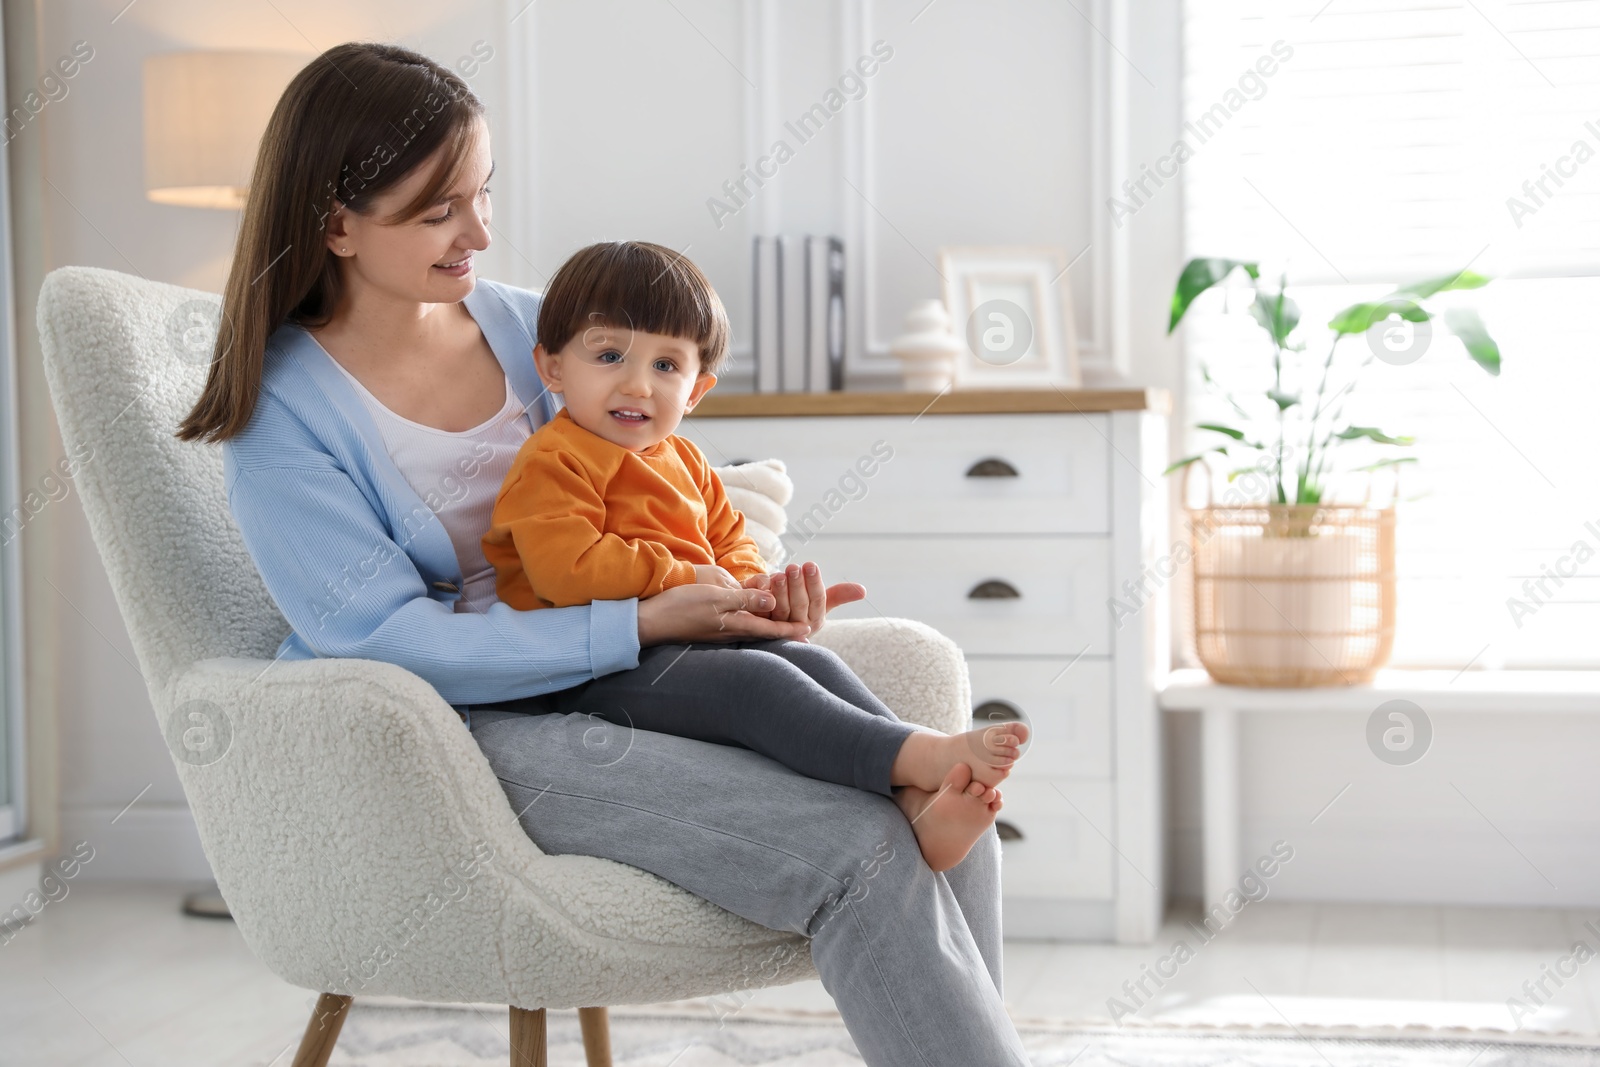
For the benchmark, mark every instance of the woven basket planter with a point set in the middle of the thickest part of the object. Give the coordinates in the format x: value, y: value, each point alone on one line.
x: 1293, y: 595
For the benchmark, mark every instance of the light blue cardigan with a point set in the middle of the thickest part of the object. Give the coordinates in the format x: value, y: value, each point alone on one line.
x: 358, y: 563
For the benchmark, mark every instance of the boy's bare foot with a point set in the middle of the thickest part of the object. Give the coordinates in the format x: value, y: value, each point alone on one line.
x: 926, y: 756
x: 949, y: 820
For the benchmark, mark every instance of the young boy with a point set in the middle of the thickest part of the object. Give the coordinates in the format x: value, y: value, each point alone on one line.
x: 606, y: 502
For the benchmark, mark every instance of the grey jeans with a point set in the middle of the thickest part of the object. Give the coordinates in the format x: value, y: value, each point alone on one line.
x: 911, y: 957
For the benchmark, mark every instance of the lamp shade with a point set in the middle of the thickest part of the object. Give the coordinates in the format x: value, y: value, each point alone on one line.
x: 204, y: 113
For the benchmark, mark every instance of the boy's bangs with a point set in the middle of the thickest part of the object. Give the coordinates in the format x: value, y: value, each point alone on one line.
x: 634, y: 285
x: 642, y: 295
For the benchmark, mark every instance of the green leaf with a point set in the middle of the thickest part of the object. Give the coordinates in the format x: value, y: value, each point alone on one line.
x: 1277, y: 314
x: 1465, y: 324
x: 1178, y: 465
x: 1199, y: 275
x: 1186, y: 460
x: 1283, y: 400
x: 1237, y: 435
x: 1465, y: 279
x: 1359, y: 318
x: 1393, y: 461
x: 1351, y: 433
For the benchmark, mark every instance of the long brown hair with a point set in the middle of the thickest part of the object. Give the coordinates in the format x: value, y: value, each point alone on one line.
x: 356, y: 121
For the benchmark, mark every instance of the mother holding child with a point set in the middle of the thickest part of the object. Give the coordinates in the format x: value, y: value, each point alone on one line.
x: 585, y: 563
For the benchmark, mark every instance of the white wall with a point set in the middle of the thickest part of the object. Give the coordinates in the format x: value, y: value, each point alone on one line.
x: 624, y: 119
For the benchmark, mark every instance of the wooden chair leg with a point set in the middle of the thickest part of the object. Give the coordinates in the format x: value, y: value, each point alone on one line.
x: 527, y: 1037
x: 322, y: 1032
x: 596, y: 1036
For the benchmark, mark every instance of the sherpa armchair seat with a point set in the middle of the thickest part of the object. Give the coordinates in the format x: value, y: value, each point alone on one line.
x: 356, y: 831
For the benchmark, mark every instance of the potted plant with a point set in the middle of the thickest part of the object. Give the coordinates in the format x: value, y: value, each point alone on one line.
x: 1296, y: 589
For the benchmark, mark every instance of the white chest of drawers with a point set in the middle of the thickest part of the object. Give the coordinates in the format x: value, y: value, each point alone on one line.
x: 1009, y: 521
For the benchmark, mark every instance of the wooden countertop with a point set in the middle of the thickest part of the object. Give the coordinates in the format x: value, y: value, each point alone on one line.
x: 954, y: 402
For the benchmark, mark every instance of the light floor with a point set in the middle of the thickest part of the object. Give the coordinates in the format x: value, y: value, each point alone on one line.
x: 115, y: 975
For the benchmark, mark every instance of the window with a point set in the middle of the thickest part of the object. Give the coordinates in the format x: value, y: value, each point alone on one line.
x: 1383, y: 142
x: 12, y: 782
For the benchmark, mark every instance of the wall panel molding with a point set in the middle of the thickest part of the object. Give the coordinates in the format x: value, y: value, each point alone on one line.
x: 1103, y: 348
x: 765, y: 54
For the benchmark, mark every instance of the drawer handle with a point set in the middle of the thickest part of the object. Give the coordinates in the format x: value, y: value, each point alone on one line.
x: 993, y: 467
x: 994, y: 589
x: 997, y: 711
x: 1007, y: 831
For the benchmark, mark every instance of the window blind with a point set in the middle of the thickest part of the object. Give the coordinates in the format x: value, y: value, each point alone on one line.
x: 1406, y: 137
x: 1397, y: 141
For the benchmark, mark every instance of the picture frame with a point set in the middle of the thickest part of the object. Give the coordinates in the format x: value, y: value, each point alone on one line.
x: 1012, y: 309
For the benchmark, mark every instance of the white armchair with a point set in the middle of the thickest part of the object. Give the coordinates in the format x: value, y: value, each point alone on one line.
x: 358, y: 835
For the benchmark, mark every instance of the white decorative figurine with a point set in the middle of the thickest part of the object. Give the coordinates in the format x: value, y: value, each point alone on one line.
x: 928, y: 349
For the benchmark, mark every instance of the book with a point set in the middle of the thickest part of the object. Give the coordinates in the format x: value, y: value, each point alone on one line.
x: 816, y: 304
x: 835, y: 314
x: 766, y: 316
x: 792, y: 349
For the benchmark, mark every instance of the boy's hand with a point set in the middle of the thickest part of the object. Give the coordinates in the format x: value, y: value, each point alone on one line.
x: 800, y: 596
x: 711, y: 574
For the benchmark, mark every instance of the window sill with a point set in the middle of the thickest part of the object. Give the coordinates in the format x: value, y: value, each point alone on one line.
x: 1434, y: 691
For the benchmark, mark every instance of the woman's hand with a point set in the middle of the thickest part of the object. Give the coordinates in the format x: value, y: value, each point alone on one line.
x: 790, y: 604
x: 688, y: 613
x: 799, y: 595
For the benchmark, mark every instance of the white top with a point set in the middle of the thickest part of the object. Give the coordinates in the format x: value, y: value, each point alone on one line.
x: 458, y: 475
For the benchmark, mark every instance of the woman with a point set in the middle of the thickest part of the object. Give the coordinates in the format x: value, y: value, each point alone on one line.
x: 366, y: 383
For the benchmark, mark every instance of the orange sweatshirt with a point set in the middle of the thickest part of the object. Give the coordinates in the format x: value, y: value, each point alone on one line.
x: 580, y: 518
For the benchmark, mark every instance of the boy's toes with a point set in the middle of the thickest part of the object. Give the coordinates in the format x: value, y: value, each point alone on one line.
x: 1010, y: 740
x: 996, y: 747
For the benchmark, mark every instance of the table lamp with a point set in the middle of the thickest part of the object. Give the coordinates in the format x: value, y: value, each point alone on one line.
x: 204, y: 113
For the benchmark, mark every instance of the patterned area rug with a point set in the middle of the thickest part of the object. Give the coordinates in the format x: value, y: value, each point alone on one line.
x: 400, y: 1034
